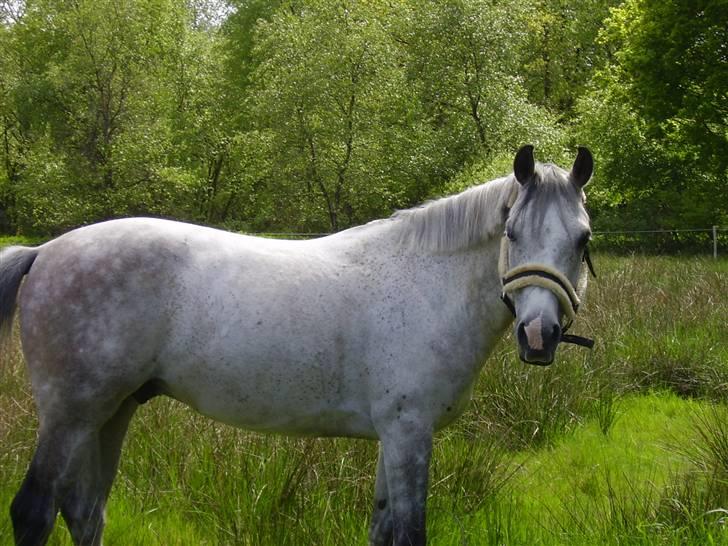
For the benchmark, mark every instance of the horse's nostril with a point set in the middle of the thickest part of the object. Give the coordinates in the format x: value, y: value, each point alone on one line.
x: 521, y: 332
x: 556, y: 334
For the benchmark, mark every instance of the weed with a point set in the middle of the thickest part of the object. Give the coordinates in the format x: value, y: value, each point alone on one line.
x: 606, y: 408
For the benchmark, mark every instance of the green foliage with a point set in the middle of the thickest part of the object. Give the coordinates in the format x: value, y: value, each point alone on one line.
x: 562, y: 52
x: 111, y: 113
x: 466, y: 79
x: 89, y: 103
x: 330, y: 93
x: 656, y: 117
x: 318, y: 115
x: 673, y: 54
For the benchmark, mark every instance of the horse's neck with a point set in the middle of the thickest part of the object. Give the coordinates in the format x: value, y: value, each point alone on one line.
x: 463, y: 285
x: 468, y: 272
x: 451, y: 247
x: 478, y: 270
x: 465, y: 290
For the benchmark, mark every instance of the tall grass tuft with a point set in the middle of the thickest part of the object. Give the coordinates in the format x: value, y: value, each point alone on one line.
x: 606, y: 408
x: 699, y: 498
x: 662, y: 323
x: 527, y: 406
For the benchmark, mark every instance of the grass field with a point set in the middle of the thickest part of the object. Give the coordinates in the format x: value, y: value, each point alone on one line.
x: 627, y: 444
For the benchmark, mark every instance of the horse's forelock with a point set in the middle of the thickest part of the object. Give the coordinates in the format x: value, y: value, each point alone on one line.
x: 551, y: 184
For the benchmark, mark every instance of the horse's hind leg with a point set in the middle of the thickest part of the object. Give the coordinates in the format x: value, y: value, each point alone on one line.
x: 94, y: 469
x: 72, y: 470
x: 64, y: 464
x: 80, y: 492
x: 33, y: 510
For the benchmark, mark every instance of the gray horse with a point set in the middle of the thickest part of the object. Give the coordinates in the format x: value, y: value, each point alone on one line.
x: 375, y: 332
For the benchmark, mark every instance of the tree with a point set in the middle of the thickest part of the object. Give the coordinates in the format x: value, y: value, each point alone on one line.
x: 674, y: 62
x: 329, y: 91
x: 113, y: 111
x: 561, y: 51
x: 656, y: 116
x: 10, y: 138
x: 84, y: 68
x: 464, y: 62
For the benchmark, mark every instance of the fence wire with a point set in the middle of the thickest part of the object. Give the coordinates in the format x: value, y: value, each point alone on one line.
x: 699, y: 241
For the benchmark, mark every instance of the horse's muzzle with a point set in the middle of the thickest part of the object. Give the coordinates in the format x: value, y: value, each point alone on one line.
x: 537, y: 341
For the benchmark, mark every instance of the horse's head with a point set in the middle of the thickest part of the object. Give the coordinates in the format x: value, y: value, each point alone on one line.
x: 543, y: 253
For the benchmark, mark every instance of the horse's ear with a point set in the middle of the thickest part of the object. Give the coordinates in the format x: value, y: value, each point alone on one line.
x: 523, y: 165
x: 583, y: 167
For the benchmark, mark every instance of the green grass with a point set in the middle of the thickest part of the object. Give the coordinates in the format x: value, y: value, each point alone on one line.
x: 627, y: 444
x: 596, y: 488
x: 228, y: 487
x: 8, y: 240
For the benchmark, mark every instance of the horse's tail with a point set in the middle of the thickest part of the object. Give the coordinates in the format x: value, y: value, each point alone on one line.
x: 15, y: 262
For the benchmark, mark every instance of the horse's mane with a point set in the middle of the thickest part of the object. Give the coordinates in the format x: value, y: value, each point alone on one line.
x: 459, y: 221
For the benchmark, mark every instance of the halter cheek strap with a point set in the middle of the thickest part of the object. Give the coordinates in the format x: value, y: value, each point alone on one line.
x: 549, y: 278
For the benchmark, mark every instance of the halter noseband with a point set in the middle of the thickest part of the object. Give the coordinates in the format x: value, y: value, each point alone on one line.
x: 546, y: 277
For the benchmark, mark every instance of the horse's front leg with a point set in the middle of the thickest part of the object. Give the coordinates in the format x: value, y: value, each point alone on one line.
x: 406, y: 447
x: 380, y: 530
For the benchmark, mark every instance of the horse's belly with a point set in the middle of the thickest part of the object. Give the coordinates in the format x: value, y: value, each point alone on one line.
x: 279, y: 416
x: 309, y: 421
x: 288, y: 399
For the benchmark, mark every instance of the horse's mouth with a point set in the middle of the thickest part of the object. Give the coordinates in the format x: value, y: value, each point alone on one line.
x: 535, y: 357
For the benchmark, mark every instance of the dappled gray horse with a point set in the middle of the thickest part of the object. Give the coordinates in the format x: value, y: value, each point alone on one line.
x: 375, y: 332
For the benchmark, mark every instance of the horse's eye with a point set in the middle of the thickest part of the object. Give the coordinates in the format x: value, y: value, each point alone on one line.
x: 584, y: 238
x: 509, y: 234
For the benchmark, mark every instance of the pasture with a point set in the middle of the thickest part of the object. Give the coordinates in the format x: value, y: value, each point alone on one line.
x: 626, y: 444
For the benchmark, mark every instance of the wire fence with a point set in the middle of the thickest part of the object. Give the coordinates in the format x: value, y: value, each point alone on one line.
x: 705, y: 241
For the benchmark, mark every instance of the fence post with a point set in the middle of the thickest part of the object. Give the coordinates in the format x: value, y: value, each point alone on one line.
x: 715, y: 242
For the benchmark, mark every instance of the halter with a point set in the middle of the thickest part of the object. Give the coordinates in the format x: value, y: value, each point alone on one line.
x: 546, y: 277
